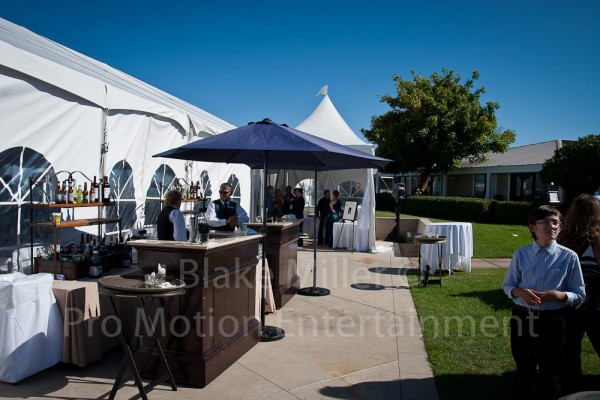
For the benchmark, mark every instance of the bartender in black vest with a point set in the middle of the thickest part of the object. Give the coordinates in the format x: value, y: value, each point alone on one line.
x: 170, y: 224
x: 224, y: 214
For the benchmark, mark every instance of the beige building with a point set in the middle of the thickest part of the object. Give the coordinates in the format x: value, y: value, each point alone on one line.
x: 513, y: 175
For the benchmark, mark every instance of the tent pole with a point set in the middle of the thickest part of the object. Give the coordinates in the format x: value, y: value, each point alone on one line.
x: 268, y: 333
x: 314, y: 290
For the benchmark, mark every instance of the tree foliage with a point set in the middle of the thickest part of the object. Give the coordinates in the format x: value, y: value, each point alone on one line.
x: 574, y: 167
x: 434, y: 124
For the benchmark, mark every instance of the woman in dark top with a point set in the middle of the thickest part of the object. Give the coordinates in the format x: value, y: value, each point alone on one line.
x: 581, y: 234
x: 335, y: 208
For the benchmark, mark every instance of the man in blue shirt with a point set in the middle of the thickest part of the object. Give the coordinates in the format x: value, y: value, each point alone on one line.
x: 542, y: 280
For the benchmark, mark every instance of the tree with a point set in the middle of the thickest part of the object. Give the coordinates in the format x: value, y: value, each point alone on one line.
x: 574, y: 167
x: 434, y: 124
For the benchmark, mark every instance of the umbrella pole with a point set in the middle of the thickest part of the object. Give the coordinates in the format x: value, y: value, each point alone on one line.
x: 314, y: 290
x: 268, y: 333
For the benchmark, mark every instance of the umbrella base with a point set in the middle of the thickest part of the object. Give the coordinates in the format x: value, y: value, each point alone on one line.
x: 313, y: 291
x: 271, y: 334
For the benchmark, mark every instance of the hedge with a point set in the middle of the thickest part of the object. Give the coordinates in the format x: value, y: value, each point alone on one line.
x: 466, y: 209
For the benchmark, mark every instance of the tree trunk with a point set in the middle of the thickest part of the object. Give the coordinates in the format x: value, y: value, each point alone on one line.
x: 424, y: 180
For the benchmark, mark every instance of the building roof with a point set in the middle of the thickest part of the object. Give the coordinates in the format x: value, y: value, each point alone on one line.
x: 531, y: 154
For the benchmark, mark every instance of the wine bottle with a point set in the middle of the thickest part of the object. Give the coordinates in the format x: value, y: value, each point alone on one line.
x: 86, y: 194
x: 106, y: 191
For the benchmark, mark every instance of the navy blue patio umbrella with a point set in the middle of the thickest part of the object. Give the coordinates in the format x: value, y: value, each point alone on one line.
x: 266, y: 144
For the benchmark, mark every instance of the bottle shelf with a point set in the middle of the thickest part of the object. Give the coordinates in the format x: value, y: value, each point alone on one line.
x: 77, y: 223
x: 76, y: 205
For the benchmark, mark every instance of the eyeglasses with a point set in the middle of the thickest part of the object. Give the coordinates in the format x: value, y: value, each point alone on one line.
x: 223, y: 191
x: 549, y: 222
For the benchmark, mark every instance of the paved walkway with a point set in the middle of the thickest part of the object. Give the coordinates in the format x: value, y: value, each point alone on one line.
x: 361, y: 342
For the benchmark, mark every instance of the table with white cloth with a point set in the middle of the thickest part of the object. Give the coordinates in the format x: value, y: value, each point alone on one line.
x: 456, y: 252
x: 345, y: 235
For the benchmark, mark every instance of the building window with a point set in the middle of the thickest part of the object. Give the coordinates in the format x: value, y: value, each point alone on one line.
x: 479, y: 189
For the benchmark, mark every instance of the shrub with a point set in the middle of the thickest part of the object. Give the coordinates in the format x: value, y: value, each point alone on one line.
x: 453, y: 208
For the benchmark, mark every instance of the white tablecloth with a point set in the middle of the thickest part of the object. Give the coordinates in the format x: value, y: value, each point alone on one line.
x: 456, y: 252
x: 308, y: 224
x: 343, y: 233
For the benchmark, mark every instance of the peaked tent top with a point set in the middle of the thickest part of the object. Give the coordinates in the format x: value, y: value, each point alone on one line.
x: 326, y: 122
x: 98, y: 83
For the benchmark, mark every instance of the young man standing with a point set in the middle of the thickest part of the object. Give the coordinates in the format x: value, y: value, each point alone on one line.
x: 542, y: 280
x: 323, y: 214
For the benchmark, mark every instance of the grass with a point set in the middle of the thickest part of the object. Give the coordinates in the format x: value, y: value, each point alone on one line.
x: 465, y: 327
x: 489, y: 240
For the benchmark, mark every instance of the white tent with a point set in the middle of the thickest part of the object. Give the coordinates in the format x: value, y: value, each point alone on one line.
x: 326, y: 122
x: 63, y: 111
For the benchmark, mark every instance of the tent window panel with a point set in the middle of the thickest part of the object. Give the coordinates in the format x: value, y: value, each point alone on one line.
x: 122, y: 192
x: 161, y: 181
x: 18, y: 165
x: 235, y: 186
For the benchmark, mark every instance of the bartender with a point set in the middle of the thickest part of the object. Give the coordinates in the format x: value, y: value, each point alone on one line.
x: 224, y: 214
x: 170, y: 224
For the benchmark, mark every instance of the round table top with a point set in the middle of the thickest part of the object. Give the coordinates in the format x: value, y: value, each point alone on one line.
x: 424, y: 239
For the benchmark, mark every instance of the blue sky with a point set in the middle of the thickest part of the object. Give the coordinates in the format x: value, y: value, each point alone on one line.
x: 246, y: 60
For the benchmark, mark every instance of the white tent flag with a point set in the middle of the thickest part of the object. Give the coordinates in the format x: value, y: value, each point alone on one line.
x: 323, y: 90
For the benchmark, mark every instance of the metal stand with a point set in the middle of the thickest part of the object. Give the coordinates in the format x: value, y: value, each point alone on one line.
x: 144, y: 302
x: 421, y: 240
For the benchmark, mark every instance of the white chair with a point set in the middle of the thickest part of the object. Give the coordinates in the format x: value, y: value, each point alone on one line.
x: 31, y: 327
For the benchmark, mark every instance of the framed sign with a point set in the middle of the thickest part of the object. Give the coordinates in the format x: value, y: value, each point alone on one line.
x: 553, y: 197
x: 350, y: 210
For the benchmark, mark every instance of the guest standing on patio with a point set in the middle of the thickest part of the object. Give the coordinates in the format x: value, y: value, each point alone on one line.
x: 224, y: 214
x: 170, y: 224
x: 335, y: 208
x: 581, y: 234
x: 543, y: 278
x: 323, y: 213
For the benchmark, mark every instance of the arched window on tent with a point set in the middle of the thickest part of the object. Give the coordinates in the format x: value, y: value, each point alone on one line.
x: 161, y: 182
x: 122, y: 192
x: 17, y: 165
x: 205, y: 187
x: 235, y: 186
x: 351, y: 190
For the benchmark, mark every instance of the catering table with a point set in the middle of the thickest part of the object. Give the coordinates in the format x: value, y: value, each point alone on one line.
x: 83, y: 315
x: 456, y: 252
x: 345, y: 235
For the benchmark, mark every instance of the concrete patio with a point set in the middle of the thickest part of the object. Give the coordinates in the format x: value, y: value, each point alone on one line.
x: 361, y: 342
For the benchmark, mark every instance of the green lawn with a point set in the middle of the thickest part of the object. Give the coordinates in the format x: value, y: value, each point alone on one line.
x: 465, y: 327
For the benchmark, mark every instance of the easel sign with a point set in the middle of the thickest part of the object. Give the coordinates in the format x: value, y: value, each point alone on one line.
x: 350, y: 208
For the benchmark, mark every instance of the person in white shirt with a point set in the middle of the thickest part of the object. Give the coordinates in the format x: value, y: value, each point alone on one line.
x: 224, y: 214
x: 170, y: 224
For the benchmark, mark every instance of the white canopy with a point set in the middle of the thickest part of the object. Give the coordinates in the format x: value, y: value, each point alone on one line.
x: 64, y: 111
x: 326, y: 122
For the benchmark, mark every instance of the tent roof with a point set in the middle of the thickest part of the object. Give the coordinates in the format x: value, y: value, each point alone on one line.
x: 36, y: 56
x: 326, y: 122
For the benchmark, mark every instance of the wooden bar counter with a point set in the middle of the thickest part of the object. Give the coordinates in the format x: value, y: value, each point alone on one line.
x: 282, y: 254
x: 214, y: 323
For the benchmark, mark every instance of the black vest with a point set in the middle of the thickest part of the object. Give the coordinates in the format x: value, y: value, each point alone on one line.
x: 164, y: 226
x: 225, y: 212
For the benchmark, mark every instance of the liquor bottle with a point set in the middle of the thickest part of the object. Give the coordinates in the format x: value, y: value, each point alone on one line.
x: 198, y: 197
x: 86, y: 194
x: 94, y: 191
x: 58, y: 195
x: 106, y: 191
x: 65, y: 197
x: 79, y: 194
x: 96, y: 267
x: 70, y: 194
